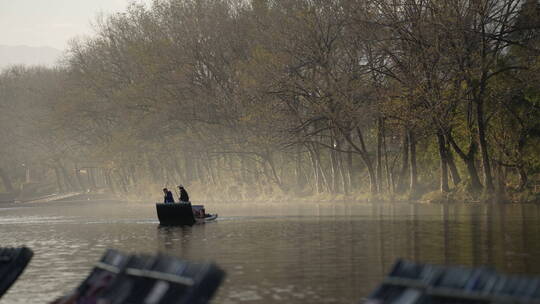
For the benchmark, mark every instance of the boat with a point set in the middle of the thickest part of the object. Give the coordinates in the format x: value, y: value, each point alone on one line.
x: 159, y: 279
x: 182, y: 214
x: 411, y: 282
x: 201, y: 216
x: 208, y: 218
x: 13, y: 261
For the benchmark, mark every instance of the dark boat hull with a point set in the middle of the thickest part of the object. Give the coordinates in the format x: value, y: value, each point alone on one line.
x: 411, y: 282
x: 12, y: 263
x: 175, y: 214
x: 159, y: 279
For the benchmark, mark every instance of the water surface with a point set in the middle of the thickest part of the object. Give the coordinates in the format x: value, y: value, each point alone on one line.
x: 295, y: 253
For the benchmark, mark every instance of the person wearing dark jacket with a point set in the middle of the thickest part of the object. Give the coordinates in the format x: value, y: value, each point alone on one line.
x: 168, y: 198
x: 184, y: 197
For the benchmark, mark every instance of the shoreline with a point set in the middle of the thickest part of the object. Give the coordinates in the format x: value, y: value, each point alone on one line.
x: 430, y: 198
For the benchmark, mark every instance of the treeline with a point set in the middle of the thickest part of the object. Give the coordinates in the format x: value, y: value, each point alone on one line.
x: 295, y: 96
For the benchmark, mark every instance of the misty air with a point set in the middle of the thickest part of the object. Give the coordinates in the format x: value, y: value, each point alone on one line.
x: 269, y: 151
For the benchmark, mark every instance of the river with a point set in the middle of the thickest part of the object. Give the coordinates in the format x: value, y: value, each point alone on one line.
x: 272, y: 253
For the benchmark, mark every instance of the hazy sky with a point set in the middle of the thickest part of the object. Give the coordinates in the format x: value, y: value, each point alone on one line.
x: 51, y: 22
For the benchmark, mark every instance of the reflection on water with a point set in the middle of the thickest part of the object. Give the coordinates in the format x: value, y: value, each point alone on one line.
x: 298, y: 253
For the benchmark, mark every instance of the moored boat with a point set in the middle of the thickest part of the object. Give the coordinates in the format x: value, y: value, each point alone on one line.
x: 182, y: 214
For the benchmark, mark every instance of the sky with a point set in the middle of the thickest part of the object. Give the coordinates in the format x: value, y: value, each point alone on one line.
x: 52, y: 23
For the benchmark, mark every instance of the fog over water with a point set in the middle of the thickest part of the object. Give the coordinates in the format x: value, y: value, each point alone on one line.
x: 297, y: 253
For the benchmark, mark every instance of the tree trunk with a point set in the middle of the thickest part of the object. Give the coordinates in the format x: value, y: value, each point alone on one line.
x: 133, y: 175
x: 153, y: 169
x: 316, y: 177
x: 188, y: 169
x: 361, y: 149
x: 243, y: 169
x: 500, y: 189
x: 91, y: 178
x: 212, y: 175
x: 298, y: 171
x: 322, y: 173
x: 79, y: 178
x: 67, y: 178
x: 334, y: 171
x: 199, y: 171
x: 351, y: 173
x: 177, y: 168
x: 402, y: 184
x: 488, y: 178
x: 122, y: 181
x: 443, y: 164
x: 219, y: 170
x: 6, y: 181
x: 100, y: 177
x: 523, y: 178
x: 373, y: 186
x: 379, y: 155
x: 273, y: 175
x: 389, y: 178
x: 413, y: 185
x: 473, y: 173
x: 389, y: 174
x: 58, y: 179
x: 469, y: 160
x: 126, y: 176
x: 456, y: 179
x: 108, y: 180
x: 342, y: 175
x: 256, y: 173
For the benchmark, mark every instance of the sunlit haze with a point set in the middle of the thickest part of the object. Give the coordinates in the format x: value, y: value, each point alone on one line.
x: 51, y: 22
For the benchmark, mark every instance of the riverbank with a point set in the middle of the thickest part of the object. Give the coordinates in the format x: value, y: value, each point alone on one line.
x: 203, y: 194
x: 434, y: 197
x: 69, y: 196
x: 47, y: 198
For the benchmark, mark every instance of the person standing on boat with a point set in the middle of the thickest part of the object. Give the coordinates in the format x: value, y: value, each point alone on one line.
x: 184, y: 197
x: 168, y: 198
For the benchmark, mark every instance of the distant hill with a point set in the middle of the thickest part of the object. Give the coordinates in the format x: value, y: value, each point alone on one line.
x: 27, y: 55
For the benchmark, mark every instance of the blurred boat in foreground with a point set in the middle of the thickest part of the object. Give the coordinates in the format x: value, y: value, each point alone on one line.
x: 13, y: 261
x: 159, y: 279
x: 410, y: 282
